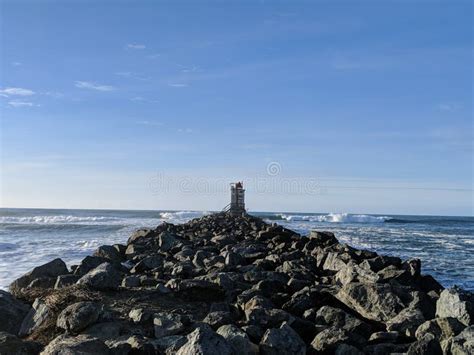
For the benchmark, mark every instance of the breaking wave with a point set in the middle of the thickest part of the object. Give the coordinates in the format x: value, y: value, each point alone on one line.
x: 337, y: 218
x: 58, y: 219
x: 182, y: 215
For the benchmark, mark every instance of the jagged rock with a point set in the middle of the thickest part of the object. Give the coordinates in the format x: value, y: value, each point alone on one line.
x: 282, y: 341
x: 427, y: 345
x: 323, y: 238
x: 217, y: 319
x: 89, y: 263
x: 238, y: 340
x: 406, y: 322
x: 199, y: 290
x: 65, y: 280
x: 37, y: 315
x: 346, y: 349
x: 440, y: 327
x: 78, y: 316
x: 373, y: 301
x: 140, y: 236
x: 109, y: 252
x: 203, y: 340
x: 463, y: 343
x: 336, y: 261
x: 12, y: 345
x: 81, y: 344
x: 140, y: 315
x: 338, y: 318
x: 385, y: 337
x: 353, y: 273
x: 133, y: 250
x: 51, y: 269
x: 104, y: 331
x: 166, y: 241
x: 12, y: 313
x: 329, y: 339
x: 103, y: 277
x: 169, y: 345
x: 131, y: 281
x: 167, y: 324
x: 456, y: 303
x: 42, y: 282
x: 148, y: 263
x: 385, y: 348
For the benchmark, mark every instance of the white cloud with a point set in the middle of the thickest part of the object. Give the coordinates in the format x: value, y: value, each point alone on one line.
x: 21, y: 104
x: 150, y: 123
x: 135, y: 46
x: 16, y: 92
x: 449, y: 106
x: 16, y: 64
x: 93, y: 86
x: 142, y: 99
x: 178, y: 85
x: 130, y: 75
x: 185, y: 130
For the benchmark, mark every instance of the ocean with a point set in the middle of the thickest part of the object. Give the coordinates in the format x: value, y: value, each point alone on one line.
x: 31, y: 237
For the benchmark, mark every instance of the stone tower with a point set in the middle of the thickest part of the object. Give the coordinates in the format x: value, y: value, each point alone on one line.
x: 237, y: 198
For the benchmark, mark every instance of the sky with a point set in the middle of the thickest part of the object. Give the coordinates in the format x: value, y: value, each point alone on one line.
x: 318, y: 106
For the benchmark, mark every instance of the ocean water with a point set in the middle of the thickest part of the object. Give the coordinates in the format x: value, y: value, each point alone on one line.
x: 30, y: 237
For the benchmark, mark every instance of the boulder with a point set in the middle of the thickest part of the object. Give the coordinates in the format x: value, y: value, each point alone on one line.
x: 354, y: 273
x: 166, y: 241
x: 140, y: 315
x: 78, y: 316
x: 218, y: 318
x: 51, y: 269
x: 12, y: 345
x: 166, y: 324
x: 376, y: 302
x: 109, y: 252
x: 89, y: 263
x: 463, y: 343
x: 80, y: 345
x: 12, y: 313
x: 329, y: 339
x: 282, y: 341
x: 237, y: 339
x: 37, y: 315
x: 338, y: 318
x: 456, y: 303
x: 65, y: 280
x: 203, y: 340
x: 406, y: 322
x: 427, y: 345
x: 323, y: 238
x: 103, y: 277
x: 169, y: 345
x: 148, y: 263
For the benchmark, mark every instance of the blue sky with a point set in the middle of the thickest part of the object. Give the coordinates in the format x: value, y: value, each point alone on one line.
x: 158, y: 105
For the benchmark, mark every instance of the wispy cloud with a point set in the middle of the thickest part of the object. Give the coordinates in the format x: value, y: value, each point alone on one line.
x: 178, y: 85
x: 135, y: 46
x: 16, y: 64
x: 142, y: 99
x: 130, y: 75
x: 17, y: 103
x: 154, y: 56
x: 150, y: 123
x: 185, y: 130
x: 189, y: 69
x: 16, y: 92
x: 449, y: 106
x: 93, y: 86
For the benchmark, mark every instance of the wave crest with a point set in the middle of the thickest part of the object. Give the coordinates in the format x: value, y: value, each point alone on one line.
x: 337, y: 218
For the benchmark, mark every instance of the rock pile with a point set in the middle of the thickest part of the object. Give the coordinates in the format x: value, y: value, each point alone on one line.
x: 234, y: 285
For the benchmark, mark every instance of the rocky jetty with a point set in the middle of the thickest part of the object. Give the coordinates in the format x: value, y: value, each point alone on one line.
x: 234, y: 285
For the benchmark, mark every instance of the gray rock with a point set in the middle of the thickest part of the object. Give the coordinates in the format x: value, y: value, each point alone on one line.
x: 463, y: 343
x: 103, y: 277
x: 354, y: 273
x: 148, y: 263
x: 104, y: 331
x: 42, y: 282
x: 78, y: 316
x: 65, y: 280
x: 12, y: 313
x: 373, y: 301
x: 282, y: 341
x: 406, y: 322
x: 169, y: 345
x: 238, y: 340
x: 217, y: 319
x: 346, y: 349
x: 11, y: 345
x: 37, y: 315
x: 109, y: 252
x: 79, y: 345
x: 140, y: 315
x: 131, y: 281
x: 427, y: 345
x: 51, y: 269
x: 166, y: 241
x: 385, y: 337
x: 89, y: 263
x: 329, y: 339
x: 167, y: 324
x: 338, y: 318
x: 323, y: 238
x: 204, y: 341
x: 456, y: 303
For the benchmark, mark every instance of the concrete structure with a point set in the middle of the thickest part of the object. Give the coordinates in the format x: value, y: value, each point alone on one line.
x: 237, y: 198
